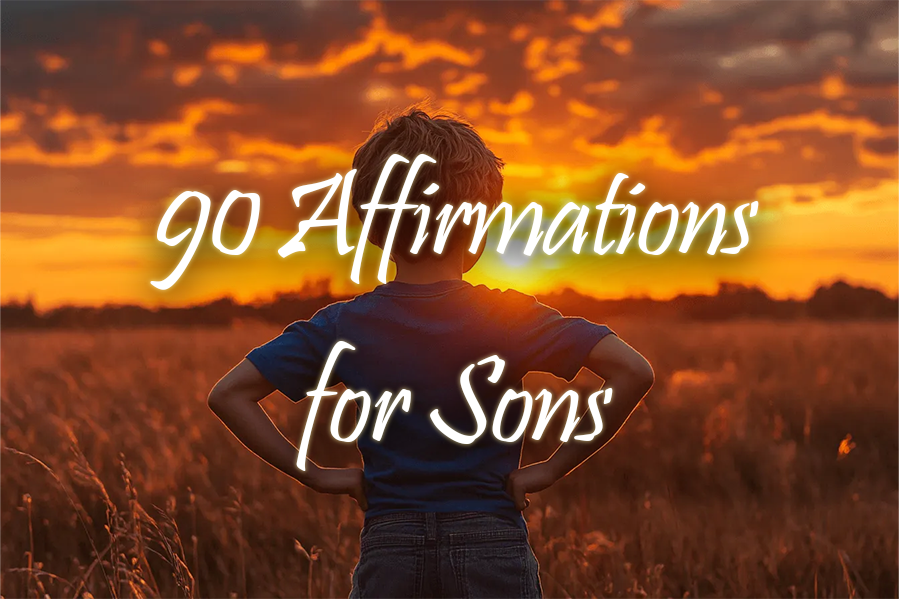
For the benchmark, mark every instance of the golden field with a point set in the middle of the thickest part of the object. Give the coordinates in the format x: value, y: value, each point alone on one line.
x: 764, y: 463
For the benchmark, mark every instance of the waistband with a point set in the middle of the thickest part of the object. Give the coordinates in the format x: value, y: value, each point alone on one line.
x: 418, y: 529
x: 425, y: 516
x: 437, y: 517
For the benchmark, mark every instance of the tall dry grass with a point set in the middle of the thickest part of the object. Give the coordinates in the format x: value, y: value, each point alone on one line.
x: 764, y: 464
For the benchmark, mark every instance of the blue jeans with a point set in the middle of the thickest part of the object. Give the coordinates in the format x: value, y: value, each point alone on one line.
x: 461, y: 554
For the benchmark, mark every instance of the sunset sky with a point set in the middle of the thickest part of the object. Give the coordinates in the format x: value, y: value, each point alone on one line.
x: 110, y: 110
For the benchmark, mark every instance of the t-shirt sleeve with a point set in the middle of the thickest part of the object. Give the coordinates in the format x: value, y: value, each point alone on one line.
x: 543, y: 340
x: 293, y: 360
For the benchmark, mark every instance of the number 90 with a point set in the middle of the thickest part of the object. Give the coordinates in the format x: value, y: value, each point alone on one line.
x: 205, y: 208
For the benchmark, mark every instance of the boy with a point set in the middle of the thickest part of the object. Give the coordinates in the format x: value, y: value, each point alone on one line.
x: 441, y: 519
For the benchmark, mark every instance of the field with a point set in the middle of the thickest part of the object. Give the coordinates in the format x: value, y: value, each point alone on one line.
x: 764, y: 463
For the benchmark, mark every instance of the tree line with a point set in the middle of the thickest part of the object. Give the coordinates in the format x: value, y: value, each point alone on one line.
x: 838, y: 301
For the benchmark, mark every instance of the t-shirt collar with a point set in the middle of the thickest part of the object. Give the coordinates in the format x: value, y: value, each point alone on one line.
x: 399, y: 288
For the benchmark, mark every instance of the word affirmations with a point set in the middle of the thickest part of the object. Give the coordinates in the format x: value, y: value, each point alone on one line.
x: 446, y: 218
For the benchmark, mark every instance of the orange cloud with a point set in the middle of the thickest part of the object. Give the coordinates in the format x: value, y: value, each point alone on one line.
x: 819, y: 120
x: 610, y: 15
x: 653, y: 145
x: 417, y: 92
x: 549, y: 61
x: 578, y: 108
x: 186, y: 75
x: 621, y: 46
x: 11, y: 122
x: 519, y: 33
x: 710, y: 96
x: 475, y: 27
x: 49, y: 224
x: 469, y: 84
x: 522, y: 102
x: 380, y: 39
x: 833, y: 87
x: 324, y: 155
x: 227, y: 72
x: 602, y: 87
x: 52, y: 62
x: 158, y: 48
x: 238, y: 52
x: 169, y: 143
x: 513, y: 134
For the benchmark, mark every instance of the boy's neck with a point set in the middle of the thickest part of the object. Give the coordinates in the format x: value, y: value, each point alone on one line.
x: 427, y: 271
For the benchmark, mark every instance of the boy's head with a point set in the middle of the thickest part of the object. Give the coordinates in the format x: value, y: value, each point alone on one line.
x: 466, y: 171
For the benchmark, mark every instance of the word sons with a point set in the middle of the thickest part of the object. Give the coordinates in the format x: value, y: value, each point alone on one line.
x: 387, y: 404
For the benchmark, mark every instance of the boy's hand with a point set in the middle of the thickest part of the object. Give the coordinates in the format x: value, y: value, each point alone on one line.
x: 529, y: 479
x: 341, y: 481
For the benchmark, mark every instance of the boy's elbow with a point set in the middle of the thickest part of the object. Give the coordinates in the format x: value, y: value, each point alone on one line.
x: 648, y: 376
x: 217, y: 400
x: 642, y: 375
x: 618, y: 363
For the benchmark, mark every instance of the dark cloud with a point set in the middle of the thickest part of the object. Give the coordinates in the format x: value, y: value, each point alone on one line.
x: 883, y: 145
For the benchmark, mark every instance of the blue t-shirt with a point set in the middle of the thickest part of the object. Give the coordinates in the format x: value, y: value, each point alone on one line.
x: 421, y: 338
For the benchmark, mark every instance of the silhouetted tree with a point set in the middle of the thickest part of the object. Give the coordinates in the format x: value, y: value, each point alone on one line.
x: 844, y: 301
x: 19, y: 315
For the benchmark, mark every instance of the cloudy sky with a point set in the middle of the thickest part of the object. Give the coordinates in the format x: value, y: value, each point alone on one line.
x: 109, y: 110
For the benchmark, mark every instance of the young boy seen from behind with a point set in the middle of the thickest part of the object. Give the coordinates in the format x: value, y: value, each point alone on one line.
x: 441, y: 519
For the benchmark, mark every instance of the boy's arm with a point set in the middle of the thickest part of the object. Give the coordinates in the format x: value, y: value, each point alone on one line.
x: 630, y: 377
x: 235, y: 400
